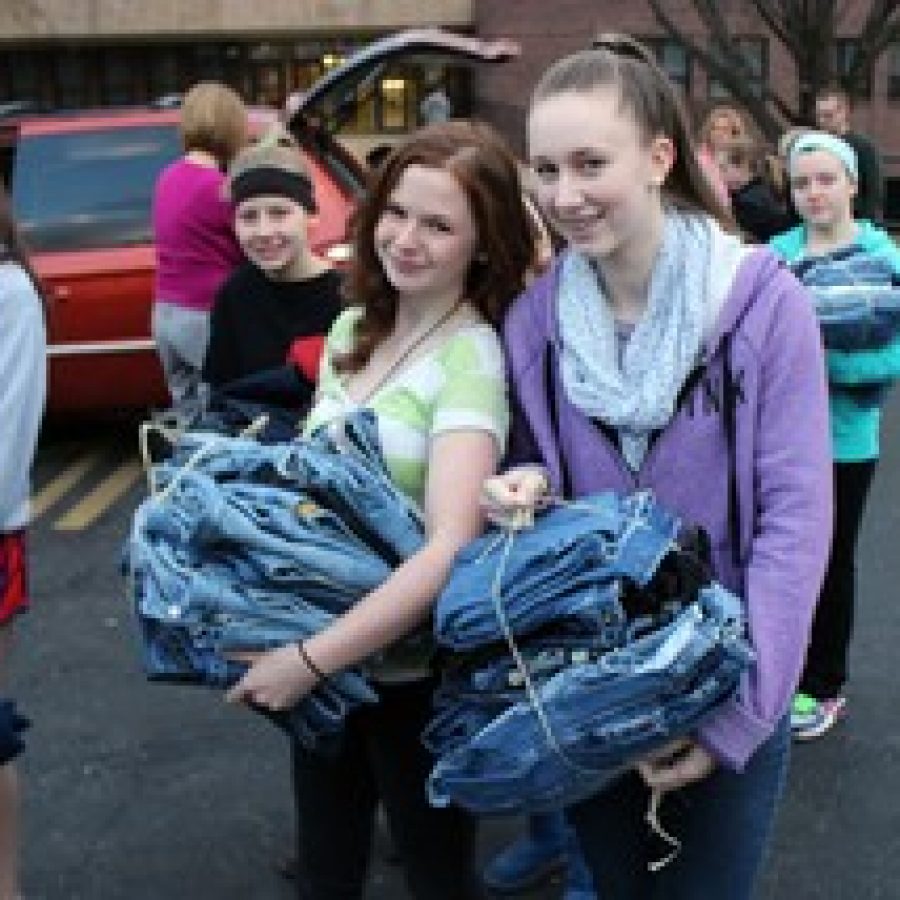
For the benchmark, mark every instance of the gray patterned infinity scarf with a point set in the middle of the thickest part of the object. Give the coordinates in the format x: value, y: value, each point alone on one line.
x: 639, y: 397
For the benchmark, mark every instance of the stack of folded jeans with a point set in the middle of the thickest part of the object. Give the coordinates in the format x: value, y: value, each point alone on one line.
x: 857, y: 297
x: 245, y: 546
x: 572, y: 649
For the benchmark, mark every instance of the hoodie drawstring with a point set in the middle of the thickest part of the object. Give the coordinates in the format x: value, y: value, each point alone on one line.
x: 729, y: 409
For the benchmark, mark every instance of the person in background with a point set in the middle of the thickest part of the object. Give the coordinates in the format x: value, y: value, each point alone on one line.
x: 278, y: 305
x: 833, y: 112
x: 435, y: 106
x: 776, y: 172
x: 754, y: 205
x: 442, y: 243
x: 654, y: 306
x: 196, y: 248
x: 23, y: 365
x: 831, y: 242
x: 723, y: 125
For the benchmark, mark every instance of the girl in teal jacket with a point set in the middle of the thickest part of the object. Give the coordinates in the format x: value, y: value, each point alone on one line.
x: 832, y: 251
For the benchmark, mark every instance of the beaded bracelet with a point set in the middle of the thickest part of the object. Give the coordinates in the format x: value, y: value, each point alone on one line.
x: 308, y: 661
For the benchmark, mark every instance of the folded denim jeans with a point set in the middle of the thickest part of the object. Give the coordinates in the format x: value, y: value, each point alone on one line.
x: 475, y: 689
x: 591, y: 721
x: 340, y: 466
x: 573, y: 564
x: 856, y: 295
x: 588, y: 640
x: 291, y: 539
x: 247, y: 547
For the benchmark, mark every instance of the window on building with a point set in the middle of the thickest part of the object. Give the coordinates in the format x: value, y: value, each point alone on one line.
x: 673, y: 56
x: 304, y: 74
x: 331, y: 60
x: 119, y: 69
x: 755, y: 51
x: 394, y: 100
x: 264, y: 72
x: 208, y: 63
x: 164, y: 73
x: 894, y: 72
x: 24, y: 75
x: 845, y: 52
x: 71, y: 77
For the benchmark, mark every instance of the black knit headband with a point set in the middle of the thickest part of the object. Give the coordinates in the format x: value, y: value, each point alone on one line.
x: 271, y: 180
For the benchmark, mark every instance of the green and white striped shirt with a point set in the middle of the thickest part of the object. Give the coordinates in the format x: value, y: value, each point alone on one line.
x: 457, y: 386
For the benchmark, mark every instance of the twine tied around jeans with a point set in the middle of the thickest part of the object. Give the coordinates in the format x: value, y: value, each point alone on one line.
x: 172, y: 435
x: 513, y: 521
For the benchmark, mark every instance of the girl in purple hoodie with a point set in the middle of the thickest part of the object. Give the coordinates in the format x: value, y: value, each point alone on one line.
x: 660, y: 353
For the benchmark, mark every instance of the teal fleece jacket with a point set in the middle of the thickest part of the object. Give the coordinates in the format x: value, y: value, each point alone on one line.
x: 854, y: 428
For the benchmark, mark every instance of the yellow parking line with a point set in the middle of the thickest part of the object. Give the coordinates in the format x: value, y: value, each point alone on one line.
x: 62, y: 484
x: 100, y: 498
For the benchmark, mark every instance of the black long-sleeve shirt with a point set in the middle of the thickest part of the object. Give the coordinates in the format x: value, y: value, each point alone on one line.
x: 869, y: 200
x: 255, y: 320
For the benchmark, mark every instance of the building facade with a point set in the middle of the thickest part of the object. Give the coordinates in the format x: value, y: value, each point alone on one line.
x: 59, y: 54
x: 71, y: 53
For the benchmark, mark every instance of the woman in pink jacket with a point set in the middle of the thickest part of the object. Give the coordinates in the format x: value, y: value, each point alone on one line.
x: 196, y: 248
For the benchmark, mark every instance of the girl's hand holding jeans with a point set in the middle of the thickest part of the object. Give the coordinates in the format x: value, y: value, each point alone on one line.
x: 517, y: 492
x: 276, y: 679
x: 680, y: 763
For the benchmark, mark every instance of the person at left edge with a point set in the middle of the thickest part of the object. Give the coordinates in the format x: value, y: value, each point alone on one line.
x: 23, y: 368
x: 442, y: 245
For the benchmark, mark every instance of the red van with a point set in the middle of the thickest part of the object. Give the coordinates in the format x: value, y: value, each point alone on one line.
x: 82, y: 185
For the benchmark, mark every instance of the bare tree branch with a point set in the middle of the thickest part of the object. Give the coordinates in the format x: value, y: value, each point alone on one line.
x: 808, y: 29
x: 878, y: 31
x: 772, y: 14
x: 725, y: 72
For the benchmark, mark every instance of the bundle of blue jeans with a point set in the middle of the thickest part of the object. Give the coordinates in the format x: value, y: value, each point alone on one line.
x: 857, y: 297
x: 573, y: 648
x: 246, y: 546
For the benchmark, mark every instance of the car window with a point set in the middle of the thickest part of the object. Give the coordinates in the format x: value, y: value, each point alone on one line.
x: 90, y: 189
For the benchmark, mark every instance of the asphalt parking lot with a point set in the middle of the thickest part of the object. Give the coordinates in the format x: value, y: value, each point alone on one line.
x: 147, y: 792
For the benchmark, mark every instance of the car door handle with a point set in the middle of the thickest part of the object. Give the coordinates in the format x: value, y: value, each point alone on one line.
x: 61, y: 292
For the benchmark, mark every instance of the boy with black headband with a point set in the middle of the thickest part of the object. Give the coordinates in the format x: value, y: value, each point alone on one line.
x: 278, y: 306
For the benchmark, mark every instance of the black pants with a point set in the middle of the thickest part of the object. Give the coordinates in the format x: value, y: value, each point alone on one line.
x: 826, y: 659
x: 380, y: 758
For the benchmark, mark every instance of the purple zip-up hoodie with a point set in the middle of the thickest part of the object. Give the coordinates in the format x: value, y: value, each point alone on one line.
x: 746, y: 455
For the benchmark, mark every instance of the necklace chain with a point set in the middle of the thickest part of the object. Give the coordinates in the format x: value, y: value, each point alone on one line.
x: 405, y: 353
